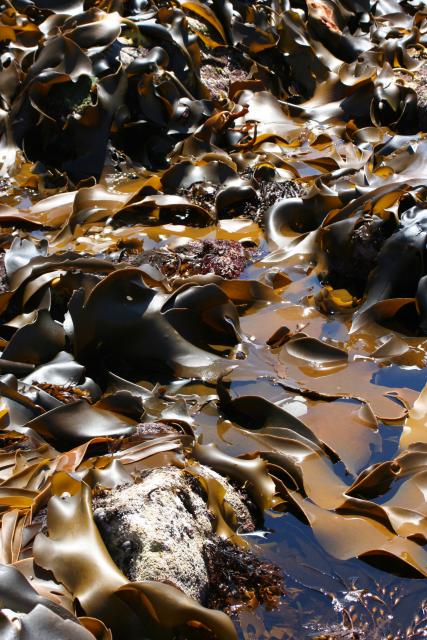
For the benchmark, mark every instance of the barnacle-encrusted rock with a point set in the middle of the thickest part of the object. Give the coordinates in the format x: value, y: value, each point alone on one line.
x: 158, y: 528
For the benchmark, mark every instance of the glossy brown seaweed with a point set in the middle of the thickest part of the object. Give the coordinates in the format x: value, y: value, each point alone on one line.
x: 213, y: 252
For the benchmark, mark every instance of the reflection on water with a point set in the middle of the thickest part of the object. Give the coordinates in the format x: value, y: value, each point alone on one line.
x: 327, y: 598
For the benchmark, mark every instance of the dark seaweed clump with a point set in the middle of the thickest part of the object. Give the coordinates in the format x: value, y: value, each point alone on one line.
x: 237, y: 578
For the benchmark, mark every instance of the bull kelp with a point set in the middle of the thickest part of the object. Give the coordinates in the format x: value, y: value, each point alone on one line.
x: 213, y: 236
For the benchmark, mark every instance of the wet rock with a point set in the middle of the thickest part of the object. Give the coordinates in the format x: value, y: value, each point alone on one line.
x: 420, y: 78
x: 159, y: 527
x: 225, y: 258
x: 201, y: 193
x: 67, y: 394
x: 218, y: 71
x: 4, y: 283
x: 258, y: 191
x: 418, y: 82
x: 154, y: 429
x: 129, y: 54
x: 268, y: 192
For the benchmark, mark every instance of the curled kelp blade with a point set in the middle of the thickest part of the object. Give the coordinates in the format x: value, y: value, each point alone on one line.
x: 357, y: 425
x: 339, y: 380
x: 59, y: 424
x: 252, y: 473
x: 373, y: 539
x: 167, y: 603
x: 150, y: 320
x: 256, y: 413
x: 18, y: 595
x: 415, y: 426
x: 41, y: 621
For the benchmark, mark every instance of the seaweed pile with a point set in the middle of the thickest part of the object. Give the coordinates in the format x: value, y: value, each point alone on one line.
x: 213, y: 238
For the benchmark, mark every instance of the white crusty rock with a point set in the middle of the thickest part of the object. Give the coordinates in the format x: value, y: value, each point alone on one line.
x: 157, y: 528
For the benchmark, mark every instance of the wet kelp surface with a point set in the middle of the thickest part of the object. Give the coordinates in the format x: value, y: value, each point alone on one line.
x: 213, y: 238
